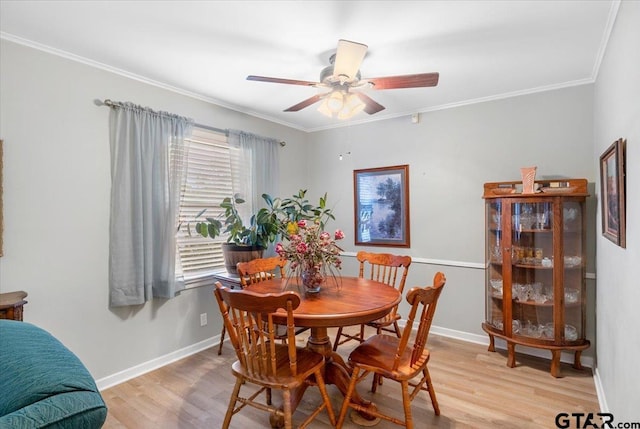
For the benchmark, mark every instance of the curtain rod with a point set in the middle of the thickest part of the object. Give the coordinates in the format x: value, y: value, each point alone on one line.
x: 110, y: 103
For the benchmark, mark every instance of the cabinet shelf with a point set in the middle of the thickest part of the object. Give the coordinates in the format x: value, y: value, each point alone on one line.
x: 547, y: 304
x: 536, y: 266
x: 515, y: 252
x: 532, y: 267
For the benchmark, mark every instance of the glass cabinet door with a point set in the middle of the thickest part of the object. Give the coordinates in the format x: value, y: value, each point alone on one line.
x: 574, y: 270
x: 494, y: 243
x: 532, y: 269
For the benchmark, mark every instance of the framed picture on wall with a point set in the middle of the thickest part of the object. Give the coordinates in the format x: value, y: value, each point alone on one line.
x: 613, y: 195
x: 382, y: 206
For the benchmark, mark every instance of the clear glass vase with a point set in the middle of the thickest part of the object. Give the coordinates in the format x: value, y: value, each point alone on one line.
x: 312, y: 279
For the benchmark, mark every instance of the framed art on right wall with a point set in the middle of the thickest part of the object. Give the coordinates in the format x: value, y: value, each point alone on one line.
x: 381, y: 202
x: 613, y: 196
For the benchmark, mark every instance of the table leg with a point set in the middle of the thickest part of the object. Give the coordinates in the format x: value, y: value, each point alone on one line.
x: 336, y: 372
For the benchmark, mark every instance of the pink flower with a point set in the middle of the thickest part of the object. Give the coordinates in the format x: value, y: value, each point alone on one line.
x: 301, y: 247
x: 339, y: 235
x: 294, y: 238
x: 279, y: 249
x: 302, y: 223
x: 325, y: 236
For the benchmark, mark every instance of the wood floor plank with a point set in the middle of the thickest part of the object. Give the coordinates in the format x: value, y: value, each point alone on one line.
x: 475, y: 389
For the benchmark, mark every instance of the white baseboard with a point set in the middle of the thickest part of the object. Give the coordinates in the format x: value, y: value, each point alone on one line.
x: 602, y: 400
x: 143, y: 368
x: 566, y: 357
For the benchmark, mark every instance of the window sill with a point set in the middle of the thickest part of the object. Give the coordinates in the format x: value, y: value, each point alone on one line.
x: 210, y: 278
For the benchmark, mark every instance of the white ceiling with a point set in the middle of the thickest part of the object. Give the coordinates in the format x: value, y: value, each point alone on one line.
x: 483, y: 50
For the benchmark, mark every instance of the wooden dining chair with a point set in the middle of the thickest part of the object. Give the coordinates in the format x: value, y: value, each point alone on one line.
x: 397, y: 359
x: 386, y: 268
x: 248, y: 317
x: 256, y: 271
x: 260, y: 269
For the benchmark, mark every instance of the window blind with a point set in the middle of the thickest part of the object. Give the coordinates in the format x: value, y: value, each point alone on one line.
x: 208, y: 181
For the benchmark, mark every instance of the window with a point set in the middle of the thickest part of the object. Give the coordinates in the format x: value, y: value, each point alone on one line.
x: 208, y: 181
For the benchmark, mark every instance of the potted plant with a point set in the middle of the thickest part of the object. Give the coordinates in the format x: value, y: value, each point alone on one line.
x: 244, y: 242
x: 247, y: 242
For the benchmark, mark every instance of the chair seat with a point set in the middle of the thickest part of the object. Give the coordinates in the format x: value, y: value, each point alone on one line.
x: 377, y: 354
x: 399, y: 359
x: 385, y: 321
x: 307, y: 362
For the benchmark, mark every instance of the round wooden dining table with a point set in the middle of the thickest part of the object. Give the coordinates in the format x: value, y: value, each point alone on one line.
x: 344, y: 302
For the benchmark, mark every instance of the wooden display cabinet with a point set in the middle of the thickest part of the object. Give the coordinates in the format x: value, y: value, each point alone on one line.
x: 535, y: 259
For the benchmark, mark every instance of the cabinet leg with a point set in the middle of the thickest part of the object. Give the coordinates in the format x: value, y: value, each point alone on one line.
x: 555, y: 363
x: 492, y: 344
x: 511, y: 355
x: 576, y: 360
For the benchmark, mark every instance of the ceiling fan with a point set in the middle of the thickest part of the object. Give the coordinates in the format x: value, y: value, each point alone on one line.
x: 343, y: 80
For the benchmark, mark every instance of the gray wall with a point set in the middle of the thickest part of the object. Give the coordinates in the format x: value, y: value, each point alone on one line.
x: 56, y: 202
x: 617, y: 114
x: 451, y: 154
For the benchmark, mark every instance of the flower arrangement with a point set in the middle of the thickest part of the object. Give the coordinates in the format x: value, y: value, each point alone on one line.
x: 312, y: 253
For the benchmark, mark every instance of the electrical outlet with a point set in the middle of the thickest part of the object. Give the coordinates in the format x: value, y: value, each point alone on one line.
x: 203, y: 319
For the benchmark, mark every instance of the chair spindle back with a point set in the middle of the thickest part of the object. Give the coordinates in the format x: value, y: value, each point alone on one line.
x: 249, y: 319
x: 424, y: 301
x: 386, y: 268
x: 258, y: 270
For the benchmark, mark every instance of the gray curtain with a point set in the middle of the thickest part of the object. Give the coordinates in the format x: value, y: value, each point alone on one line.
x: 148, y: 156
x: 262, y: 157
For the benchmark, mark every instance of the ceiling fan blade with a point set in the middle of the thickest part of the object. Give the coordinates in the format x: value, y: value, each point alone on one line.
x: 406, y: 81
x: 306, y: 103
x: 372, y: 106
x: 279, y: 80
x: 349, y: 56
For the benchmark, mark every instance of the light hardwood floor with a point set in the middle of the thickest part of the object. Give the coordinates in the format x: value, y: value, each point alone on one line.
x: 475, y: 389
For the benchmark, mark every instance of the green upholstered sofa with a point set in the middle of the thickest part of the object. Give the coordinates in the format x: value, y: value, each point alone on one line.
x: 43, y: 384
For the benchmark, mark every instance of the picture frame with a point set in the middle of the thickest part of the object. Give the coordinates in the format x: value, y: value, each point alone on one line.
x: 381, y: 206
x: 613, y: 194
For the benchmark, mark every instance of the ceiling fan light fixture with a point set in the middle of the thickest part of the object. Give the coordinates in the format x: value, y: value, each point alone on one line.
x: 352, y: 106
x: 335, y: 101
x: 324, y: 109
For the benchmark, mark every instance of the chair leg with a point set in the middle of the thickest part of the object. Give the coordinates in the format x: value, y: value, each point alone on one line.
x: 232, y: 403
x: 325, y: 397
x: 397, y: 328
x: 286, y: 397
x: 432, y: 392
x: 374, y: 383
x: 337, y: 341
x: 347, y: 397
x: 224, y: 331
x: 406, y: 404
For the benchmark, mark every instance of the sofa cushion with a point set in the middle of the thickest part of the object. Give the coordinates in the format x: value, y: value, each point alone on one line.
x: 43, y: 383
